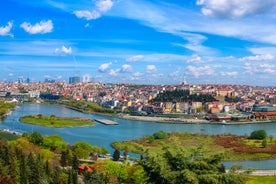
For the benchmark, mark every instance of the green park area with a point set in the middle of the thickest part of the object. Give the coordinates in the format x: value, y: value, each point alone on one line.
x: 229, y: 147
x: 56, y: 122
x: 261, y: 179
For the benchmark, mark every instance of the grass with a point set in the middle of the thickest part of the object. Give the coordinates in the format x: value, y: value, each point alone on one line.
x: 8, y: 136
x: 56, y: 122
x: 261, y: 179
x: 230, y: 146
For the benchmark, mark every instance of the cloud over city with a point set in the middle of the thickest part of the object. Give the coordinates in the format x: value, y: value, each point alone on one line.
x: 103, y: 67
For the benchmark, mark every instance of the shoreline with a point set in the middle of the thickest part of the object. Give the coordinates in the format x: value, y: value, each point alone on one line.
x: 167, y: 119
x: 183, y: 120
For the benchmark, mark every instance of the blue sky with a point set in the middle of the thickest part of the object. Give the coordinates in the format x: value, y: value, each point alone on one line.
x: 140, y: 41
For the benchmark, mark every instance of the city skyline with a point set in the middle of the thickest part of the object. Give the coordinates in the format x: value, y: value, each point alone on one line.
x: 143, y: 42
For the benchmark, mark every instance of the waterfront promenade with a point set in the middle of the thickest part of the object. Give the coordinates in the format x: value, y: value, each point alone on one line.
x: 264, y: 173
x: 162, y: 119
x: 106, y: 122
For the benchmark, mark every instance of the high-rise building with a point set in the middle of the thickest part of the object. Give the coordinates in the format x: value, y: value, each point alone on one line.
x: 28, y: 80
x: 86, y: 78
x: 74, y: 79
x: 20, y: 79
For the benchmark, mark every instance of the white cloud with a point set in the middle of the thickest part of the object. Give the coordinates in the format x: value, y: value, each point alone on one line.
x: 126, y: 68
x: 263, y: 50
x: 195, y: 59
x: 104, y: 67
x: 174, y: 74
x: 39, y: 28
x: 259, y: 68
x: 151, y: 68
x: 63, y: 50
x: 11, y: 74
x: 66, y: 50
x: 160, y: 16
x: 88, y: 15
x: 59, y: 77
x: 137, y: 74
x: 87, y: 25
x: 200, y: 71
x: 265, y: 57
x: 235, y: 8
x: 114, y: 73
x: 134, y: 58
x: 230, y: 74
x: 195, y: 43
x: 47, y: 76
x: 5, y: 30
x: 104, y: 5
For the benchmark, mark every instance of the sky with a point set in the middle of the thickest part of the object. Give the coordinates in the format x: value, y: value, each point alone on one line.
x: 139, y: 41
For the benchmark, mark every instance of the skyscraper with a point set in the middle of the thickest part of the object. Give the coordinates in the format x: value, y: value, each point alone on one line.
x: 74, y: 79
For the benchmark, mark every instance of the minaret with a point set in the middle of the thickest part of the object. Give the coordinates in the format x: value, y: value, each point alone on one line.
x: 185, y: 85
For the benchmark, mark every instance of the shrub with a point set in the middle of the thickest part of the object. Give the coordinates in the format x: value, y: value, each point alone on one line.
x: 160, y: 135
x: 258, y: 134
x: 264, y: 143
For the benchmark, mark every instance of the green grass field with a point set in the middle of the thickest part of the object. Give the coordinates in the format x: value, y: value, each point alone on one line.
x: 56, y: 122
x: 261, y: 180
x: 8, y: 136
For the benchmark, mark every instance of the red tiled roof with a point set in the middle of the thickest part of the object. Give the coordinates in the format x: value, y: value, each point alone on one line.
x: 83, y: 167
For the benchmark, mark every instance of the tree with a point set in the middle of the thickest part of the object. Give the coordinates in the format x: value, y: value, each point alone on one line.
x: 117, y: 170
x: 23, y: 178
x: 137, y: 174
x: 95, y: 178
x: 65, y: 158
x: 258, y: 134
x: 160, y: 135
x: 82, y: 149
x: 75, y: 163
x: 34, y: 174
x: 36, y: 138
x: 116, y: 155
x: 178, y: 165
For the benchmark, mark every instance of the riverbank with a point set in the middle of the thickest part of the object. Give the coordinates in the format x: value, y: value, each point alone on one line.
x: 183, y: 120
x: 5, y: 110
x: 168, y: 119
x: 161, y: 119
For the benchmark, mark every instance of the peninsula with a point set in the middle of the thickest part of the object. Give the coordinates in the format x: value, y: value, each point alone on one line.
x: 56, y: 122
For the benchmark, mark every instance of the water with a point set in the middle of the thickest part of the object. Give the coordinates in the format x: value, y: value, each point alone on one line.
x: 103, y: 135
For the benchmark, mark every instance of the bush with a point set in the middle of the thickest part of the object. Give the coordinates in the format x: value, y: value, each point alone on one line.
x: 258, y: 134
x: 160, y: 135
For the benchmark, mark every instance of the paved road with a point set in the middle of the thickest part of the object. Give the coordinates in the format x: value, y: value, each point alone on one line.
x: 264, y: 173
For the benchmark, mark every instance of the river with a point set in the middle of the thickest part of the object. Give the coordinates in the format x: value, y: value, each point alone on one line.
x: 103, y: 135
